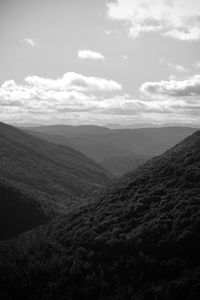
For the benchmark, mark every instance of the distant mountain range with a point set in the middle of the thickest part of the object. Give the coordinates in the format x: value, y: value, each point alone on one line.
x: 117, y: 150
x: 39, y: 180
x: 145, y: 125
x: 139, y: 240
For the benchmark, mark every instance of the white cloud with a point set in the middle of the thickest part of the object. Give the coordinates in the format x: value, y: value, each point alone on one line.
x: 9, y: 85
x: 189, y: 87
x: 180, y: 68
x: 75, y: 82
x: 78, y: 99
x: 72, y: 92
x: 88, y: 54
x: 125, y: 57
x: 30, y: 41
x: 177, y: 19
x: 115, y: 33
x: 174, y: 67
x: 107, y: 32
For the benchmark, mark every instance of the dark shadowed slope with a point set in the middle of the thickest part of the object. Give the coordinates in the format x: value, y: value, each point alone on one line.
x: 56, y: 177
x: 18, y: 212
x: 139, y: 241
x: 119, y: 165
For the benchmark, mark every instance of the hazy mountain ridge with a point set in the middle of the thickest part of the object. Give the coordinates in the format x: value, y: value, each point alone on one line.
x: 140, y: 240
x: 56, y: 178
x: 112, y: 147
x: 96, y: 150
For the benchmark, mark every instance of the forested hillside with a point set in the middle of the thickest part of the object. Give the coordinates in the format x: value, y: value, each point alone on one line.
x: 119, y: 165
x: 18, y: 212
x: 55, y: 178
x: 140, y: 240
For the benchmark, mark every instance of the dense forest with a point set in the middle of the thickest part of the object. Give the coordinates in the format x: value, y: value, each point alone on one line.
x: 44, y: 178
x: 19, y: 212
x: 119, y: 165
x: 139, y: 240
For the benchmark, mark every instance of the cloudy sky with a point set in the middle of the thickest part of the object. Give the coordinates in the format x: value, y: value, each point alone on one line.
x: 100, y: 62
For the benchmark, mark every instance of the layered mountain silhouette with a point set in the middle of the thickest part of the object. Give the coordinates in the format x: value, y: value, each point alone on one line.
x: 39, y: 180
x: 139, y: 240
x: 117, y: 150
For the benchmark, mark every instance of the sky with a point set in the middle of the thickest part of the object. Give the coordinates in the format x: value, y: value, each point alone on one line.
x: 100, y: 62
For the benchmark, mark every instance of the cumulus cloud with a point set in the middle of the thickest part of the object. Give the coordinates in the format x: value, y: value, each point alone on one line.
x: 30, y: 42
x: 71, y: 93
x: 75, y: 82
x: 177, y: 19
x: 189, y: 87
x: 88, y: 54
x: 76, y: 99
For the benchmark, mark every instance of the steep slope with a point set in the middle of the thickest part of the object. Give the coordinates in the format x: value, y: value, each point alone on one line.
x: 57, y: 178
x: 100, y: 143
x: 119, y: 165
x: 140, y: 240
x: 18, y: 212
